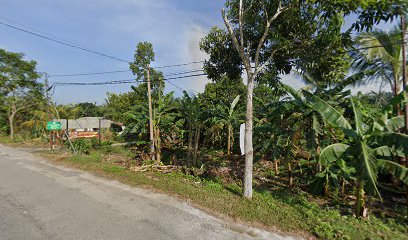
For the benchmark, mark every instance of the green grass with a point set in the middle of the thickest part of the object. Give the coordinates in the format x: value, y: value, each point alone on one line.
x: 6, y: 140
x: 18, y: 141
x: 286, y: 211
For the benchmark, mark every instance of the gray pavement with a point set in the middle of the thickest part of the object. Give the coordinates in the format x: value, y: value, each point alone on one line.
x: 39, y: 200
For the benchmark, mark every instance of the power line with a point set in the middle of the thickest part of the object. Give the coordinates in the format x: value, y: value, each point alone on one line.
x: 86, y: 74
x: 179, y: 65
x: 65, y: 43
x: 117, y: 81
x: 76, y: 46
x: 184, y: 72
x: 94, y: 83
x: 178, y: 87
x: 33, y: 29
x: 117, y: 71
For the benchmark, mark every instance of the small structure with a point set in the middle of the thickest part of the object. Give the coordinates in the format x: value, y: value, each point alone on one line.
x: 86, y: 127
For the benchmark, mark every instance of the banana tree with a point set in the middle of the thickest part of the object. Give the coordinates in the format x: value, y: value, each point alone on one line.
x: 284, y: 120
x: 166, y: 123
x: 226, y: 118
x: 190, y: 111
x: 334, y: 172
x: 360, y: 150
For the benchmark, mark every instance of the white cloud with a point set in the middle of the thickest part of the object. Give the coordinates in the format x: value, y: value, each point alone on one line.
x: 194, y: 54
x: 174, y: 34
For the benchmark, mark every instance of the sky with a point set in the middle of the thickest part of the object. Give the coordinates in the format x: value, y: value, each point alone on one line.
x: 174, y: 27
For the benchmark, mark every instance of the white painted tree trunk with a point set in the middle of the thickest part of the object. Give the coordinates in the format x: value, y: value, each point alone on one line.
x: 12, y: 114
x: 239, y: 44
x: 249, y: 151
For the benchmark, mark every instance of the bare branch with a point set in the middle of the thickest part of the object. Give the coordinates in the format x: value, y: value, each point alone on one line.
x: 241, y: 33
x: 259, y: 69
x: 238, y: 47
x: 266, y: 32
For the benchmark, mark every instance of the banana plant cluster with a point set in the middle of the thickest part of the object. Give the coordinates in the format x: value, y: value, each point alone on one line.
x: 368, y: 148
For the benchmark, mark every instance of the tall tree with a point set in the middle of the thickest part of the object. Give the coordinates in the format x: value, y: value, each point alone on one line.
x: 262, y: 34
x: 18, y: 85
x: 273, y: 36
x: 236, y: 31
x: 143, y: 57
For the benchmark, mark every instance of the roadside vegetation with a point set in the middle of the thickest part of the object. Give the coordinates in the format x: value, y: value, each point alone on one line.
x: 295, y: 212
x: 319, y: 161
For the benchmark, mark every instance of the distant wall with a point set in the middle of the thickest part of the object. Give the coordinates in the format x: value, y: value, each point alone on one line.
x: 83, y: 123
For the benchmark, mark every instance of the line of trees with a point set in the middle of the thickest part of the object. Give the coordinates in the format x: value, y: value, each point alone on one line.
x: 321, y: 139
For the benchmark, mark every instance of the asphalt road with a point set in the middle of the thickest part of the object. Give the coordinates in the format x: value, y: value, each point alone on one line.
x: 39, y: 200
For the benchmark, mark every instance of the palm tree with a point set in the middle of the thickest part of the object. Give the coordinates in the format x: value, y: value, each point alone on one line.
x: 380, y: 53
x: 366, y: 148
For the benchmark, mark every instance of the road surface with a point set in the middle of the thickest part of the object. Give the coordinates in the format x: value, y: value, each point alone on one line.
x: 39, y: 200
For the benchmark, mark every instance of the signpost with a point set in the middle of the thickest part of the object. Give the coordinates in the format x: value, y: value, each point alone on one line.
x: 52, y: 126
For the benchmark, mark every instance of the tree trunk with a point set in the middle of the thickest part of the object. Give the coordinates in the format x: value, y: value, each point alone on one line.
x: 276, y: 163
x: 249, y: 151
x: 229, y: 143
x: 290, y: 176
x: 197, y: 139
x: 319, y: 165
x: 360, y: 200
x: 326, y: 187
x: 396, y: 91
x: 12, y: 114
x: 158, y: 145
x: 190, y: 142
x: 343, y: 186
x: 11, y: 123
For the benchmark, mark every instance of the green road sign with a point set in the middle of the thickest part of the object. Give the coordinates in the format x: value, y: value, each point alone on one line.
x: 53, y: 126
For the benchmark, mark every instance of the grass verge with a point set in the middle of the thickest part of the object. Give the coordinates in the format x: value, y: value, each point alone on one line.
x: 283, y: 211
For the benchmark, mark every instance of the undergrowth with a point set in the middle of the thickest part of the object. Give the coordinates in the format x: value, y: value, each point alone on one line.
x: 292, y: 212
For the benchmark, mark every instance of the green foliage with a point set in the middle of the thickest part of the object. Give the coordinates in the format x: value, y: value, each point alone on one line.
x: 286, y: 210
x: 323, y: 139
x: 118, y: 104
x: 87, y: 110
x: 19, y: 89
x: 144, y: 55
x: 83, y: 146
x: 378, y: 54
x: 360, y: 148
x: 225, y: 59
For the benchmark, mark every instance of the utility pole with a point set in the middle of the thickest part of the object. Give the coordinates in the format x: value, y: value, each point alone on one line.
x: 48, y: 109
x: 149, y: 93
x: 46, y: 86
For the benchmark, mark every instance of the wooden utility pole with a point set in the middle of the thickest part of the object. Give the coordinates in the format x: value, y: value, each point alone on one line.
x: 46, y: 86
x: 149, y: 93
x: 48, y: 109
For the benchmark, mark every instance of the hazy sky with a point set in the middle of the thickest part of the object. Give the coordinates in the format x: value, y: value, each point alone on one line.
x: 112, y: 27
